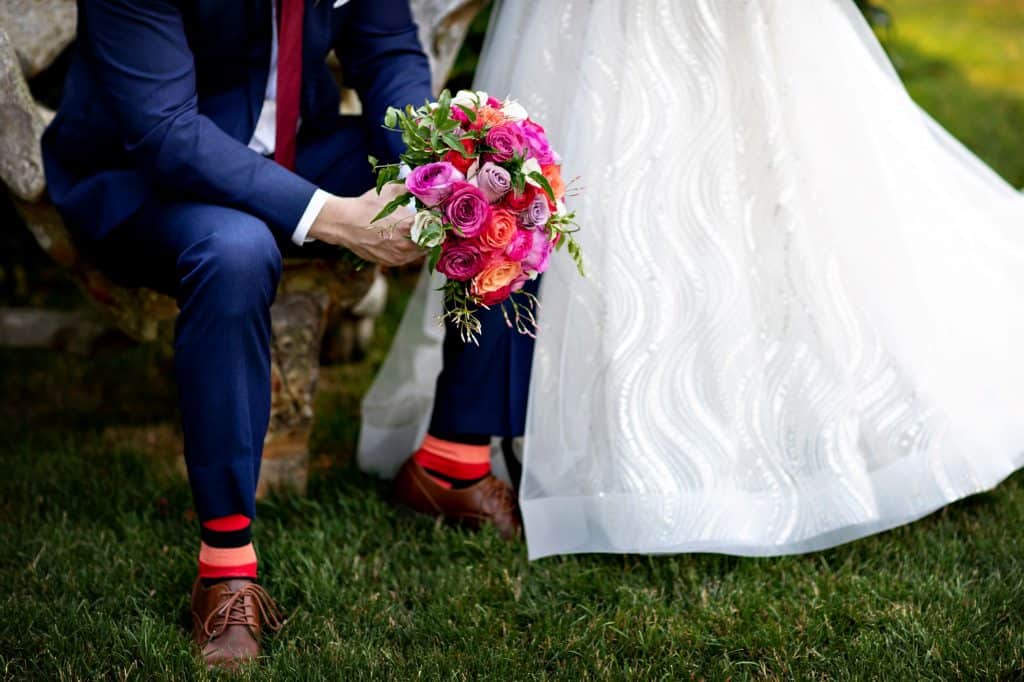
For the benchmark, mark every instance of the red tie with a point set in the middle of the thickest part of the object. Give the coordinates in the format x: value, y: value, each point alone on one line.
x: 289, y: 80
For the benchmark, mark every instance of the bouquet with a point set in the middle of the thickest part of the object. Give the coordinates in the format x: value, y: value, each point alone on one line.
x: 489, y: 200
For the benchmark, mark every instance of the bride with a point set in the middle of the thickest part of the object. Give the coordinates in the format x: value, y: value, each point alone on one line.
x: 803, y: 321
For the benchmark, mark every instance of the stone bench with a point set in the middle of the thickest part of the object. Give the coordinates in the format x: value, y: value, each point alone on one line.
x: 315, y: 296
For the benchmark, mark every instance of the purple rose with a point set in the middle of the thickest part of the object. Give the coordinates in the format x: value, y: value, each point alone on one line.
x: 460, y: 261
x: 494, y: 181
x: 540, y: 254
x: 520, y: 246
x: 538, y: 212
x: 467, y: 209
x: 432, y: 183
x: 537, y: 142
x: 507, y: 141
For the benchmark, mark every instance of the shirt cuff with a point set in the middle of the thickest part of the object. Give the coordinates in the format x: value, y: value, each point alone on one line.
x: 299, y: 236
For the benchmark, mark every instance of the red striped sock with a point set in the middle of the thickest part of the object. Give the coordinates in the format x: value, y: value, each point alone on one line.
x: 226, y: 549
x: 453, y: 465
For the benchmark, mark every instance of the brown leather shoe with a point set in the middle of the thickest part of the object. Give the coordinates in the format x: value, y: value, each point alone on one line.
x: 227, y: 619
x: 489, y: 501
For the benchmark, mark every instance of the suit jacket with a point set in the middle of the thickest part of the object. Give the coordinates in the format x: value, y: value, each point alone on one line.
x: 163, y: 96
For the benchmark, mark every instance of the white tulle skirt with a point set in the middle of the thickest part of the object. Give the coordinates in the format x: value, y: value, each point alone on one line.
x: 804, y: 317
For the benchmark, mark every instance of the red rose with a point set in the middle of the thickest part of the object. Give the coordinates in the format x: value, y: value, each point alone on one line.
x: 520, y: 202
x: 458, y: 160
x: 496, y: 297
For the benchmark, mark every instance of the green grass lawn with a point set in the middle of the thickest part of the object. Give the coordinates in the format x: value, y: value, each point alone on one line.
x: 98, y: 541
x: 963, y: 60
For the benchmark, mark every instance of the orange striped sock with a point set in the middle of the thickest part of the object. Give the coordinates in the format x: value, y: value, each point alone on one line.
x: 451, y: 464
x: 226, y: 549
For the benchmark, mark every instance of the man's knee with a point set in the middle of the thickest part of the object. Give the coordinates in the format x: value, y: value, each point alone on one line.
x: 238, y: 262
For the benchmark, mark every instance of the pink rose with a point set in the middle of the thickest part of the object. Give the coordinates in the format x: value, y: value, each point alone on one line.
x: 540, y: 254
x: 507, y: 141
x: 467, y: 209
x: 494, y: 181
x: 432, y: 183
x: 520, y: 246
x: 537, y: 142
x: 460, y: 261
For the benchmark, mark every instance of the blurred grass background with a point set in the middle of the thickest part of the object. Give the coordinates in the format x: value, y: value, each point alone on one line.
x: 98, y: 536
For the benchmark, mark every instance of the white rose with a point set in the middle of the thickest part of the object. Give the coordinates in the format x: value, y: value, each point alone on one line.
x: 427, y: 230
x: 532, y: 166
x: 470, y: 99
x: 514, y: 111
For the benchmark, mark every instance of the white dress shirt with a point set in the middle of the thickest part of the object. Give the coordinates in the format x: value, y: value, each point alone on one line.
x: 263, y: 138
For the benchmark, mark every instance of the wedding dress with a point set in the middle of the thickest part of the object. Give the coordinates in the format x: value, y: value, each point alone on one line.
x: 804, y: 316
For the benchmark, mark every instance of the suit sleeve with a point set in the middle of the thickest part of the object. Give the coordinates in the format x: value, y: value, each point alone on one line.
x: 147, y: 71
x: 382, y: 59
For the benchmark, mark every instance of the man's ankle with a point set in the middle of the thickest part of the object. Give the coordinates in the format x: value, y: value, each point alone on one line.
x: 455, y: 461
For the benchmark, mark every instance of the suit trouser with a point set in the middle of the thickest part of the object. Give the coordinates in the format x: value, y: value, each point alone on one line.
x: 223, y: 266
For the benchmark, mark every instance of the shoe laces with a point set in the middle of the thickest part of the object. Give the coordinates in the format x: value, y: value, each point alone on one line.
x: 235, y: 611
x: 499, y: 497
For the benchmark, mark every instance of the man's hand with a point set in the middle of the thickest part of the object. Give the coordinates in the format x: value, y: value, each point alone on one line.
x: 348, y: 222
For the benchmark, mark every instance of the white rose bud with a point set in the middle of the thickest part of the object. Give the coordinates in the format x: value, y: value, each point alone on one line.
x: 470, y: 99
x: 531, y: 166
x: 427, y: 230
x: 514, y: 111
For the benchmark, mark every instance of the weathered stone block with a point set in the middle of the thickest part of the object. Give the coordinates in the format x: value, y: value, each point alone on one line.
x: 21, y: 127
x: 39, y: 30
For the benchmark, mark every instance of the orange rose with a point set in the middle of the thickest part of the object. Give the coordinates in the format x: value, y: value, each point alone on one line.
x: 496, y: 275
x: 501, y: 230
x: 553, y: 174
x: 487, y: 117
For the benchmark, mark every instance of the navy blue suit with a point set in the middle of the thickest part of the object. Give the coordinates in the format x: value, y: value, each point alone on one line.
x: 147, y: 160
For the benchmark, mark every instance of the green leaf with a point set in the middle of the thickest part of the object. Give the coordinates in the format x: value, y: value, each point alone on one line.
x: 414, y: 140
x: 392, y: 206
x: 448, y: 125
x: 441, y: 114
x: 414, y: 158
x: 455, y: 144
x: 391, y: 117
x: 385, y: 175
x: 373, y: 161
x: 444, y: 101
x: 433, y: 258
x: 518, y: 183
x: 544, y: 184
x: 577, y: 256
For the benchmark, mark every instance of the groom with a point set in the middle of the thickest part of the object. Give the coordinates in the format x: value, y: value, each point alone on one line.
x: 197, y: 141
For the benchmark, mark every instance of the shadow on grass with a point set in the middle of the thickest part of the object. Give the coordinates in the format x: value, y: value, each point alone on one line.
x: 989, y: 121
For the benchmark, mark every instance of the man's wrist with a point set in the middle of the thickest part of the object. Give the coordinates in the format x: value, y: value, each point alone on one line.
x: 331, y: 224
x: 301, y: 235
